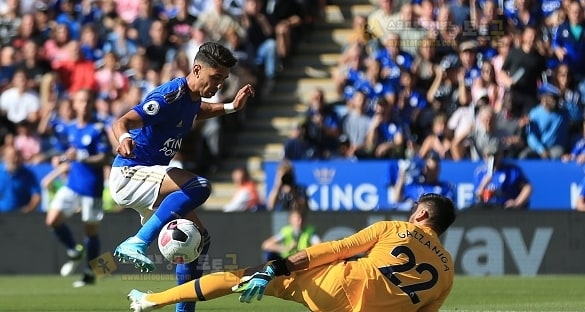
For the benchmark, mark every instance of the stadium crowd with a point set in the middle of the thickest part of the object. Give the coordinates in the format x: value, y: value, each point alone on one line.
x: 450, y: 77
x: 121, y: 50
x: 480, y: 80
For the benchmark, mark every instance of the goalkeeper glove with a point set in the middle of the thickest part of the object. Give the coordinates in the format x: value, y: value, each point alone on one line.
x: 254, y: 286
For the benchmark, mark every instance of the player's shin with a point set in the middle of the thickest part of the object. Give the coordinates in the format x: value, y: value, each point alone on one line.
x: 92, y: 245
x: 190, y: 196
x: 185, y: 273
x: 64, y: 235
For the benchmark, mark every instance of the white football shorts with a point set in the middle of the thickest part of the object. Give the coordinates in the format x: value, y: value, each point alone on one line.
x: 69, y: 202
x: 137, y: 187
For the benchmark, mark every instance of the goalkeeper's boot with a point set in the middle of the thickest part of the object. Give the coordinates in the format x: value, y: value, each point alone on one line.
x: 138, y: 302
x: 133, y: 250
x: 75, y: 256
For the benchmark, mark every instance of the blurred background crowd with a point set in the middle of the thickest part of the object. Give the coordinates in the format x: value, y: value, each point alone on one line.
x: 452, y: 77
x: 479, y: 80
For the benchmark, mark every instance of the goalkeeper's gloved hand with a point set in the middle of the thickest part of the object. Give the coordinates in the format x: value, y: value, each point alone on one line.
x: 254, y: 286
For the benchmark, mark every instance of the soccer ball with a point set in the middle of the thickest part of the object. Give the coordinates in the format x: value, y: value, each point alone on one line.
x: 179, y: 241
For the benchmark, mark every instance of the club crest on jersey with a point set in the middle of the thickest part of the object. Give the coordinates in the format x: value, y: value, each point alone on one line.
x: 151, y: 108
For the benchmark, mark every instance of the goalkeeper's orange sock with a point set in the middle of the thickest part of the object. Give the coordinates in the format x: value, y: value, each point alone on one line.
x: 208, y: 287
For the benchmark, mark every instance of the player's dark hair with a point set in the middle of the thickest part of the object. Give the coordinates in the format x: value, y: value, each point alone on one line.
x: 215, y: 55
x: 441, y: 209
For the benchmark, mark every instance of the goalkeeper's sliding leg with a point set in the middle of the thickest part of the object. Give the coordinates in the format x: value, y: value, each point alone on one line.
x: 208, y: 287
x: 319, y: 289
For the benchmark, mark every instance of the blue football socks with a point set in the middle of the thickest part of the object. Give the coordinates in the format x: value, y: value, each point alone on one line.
x: 92, y: 247
x: 65, y: 236
x: 190, y: 271
x: 185, y: 272
x: 178, y: 203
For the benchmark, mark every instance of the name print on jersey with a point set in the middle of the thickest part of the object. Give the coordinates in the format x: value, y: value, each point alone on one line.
x: 171, y: 146
x: 426, y: 242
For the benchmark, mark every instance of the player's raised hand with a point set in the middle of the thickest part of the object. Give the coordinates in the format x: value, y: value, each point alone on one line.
x: 242, y: 96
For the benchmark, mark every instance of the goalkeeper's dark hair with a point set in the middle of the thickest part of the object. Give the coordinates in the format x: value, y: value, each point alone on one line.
x: 215, y: 55
x: 441, y: 209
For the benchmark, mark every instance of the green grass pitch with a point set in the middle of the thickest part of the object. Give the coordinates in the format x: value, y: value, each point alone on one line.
x: 508, y: 293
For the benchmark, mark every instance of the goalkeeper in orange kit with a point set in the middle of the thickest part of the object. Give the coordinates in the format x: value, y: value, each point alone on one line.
x: 404, y: 268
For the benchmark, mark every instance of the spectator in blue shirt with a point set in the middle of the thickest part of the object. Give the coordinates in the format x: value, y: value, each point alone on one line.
x: 323, y: 125
x: 297, y: 147
x: 67, y: 18
x: 468, y: 57
x: 522, y: 13
x: 498, y: 184
x: 376, y: 86
x: 385, y: 138
x: 118, y: 42
x: 394, y: 59
x: 19, y: 188
x: 410, y: 102
x: 548, y: 128
x: 549, y: 7
x: 569, y: 40
x: 570, y: 99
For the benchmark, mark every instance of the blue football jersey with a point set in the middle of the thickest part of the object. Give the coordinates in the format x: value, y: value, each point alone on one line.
x: 582, y: 188
x: 414, y: 101
x: 89, y: 140
x: 168, y: 113
x: 507, y: 182
x: 548, y: 7
x: 59, y: 138
x: 386, y: 131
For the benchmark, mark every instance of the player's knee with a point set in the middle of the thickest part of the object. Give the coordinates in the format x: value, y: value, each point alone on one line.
x: 198, y: 187
x: 54, y: 219
x: 50, y: 222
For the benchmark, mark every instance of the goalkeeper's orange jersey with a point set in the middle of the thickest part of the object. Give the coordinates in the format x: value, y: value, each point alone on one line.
x: 404, y: 268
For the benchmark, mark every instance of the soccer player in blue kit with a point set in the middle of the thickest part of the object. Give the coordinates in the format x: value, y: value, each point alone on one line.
x: 84, y: 156
x: 149, y: 136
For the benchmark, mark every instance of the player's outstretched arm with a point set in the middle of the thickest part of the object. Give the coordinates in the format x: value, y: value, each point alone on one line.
x: 253, y: 286
x: 210, y: 110
x: 329, y: 252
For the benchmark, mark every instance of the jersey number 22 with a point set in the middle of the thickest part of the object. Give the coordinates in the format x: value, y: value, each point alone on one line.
x: 391, y: 270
